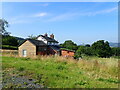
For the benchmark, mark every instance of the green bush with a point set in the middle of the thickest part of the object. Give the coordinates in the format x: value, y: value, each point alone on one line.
x: 69, y: 45
x: 83, y: 51
x: 115, y: 51
x: 101, y: 49
x: 21, y: 68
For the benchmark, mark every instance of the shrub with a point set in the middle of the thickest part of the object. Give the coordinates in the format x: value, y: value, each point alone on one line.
x: 101, y: 49
x: 21, y: 68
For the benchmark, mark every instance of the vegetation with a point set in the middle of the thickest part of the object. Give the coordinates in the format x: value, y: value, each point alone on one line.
x: 32, y: 37
x: 69, y: 45
x: 3, y: 25
x: 9, y: 40
x: 9, y: 47
x: 91, y: 71
x: 115, y: 51
x: 59, y: 72
x: 83, y: 50
x: 101, y: 49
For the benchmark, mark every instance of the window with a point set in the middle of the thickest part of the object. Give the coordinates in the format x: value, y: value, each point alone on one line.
x: 49, y: 43
x: 41, y: 49
x: 24, y: 53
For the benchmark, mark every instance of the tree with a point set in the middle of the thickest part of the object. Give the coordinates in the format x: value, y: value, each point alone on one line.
x: 83, y: 50
x: 32, y: 37
x: 69, y: 45
x: 101, y: 48
x: 115, y: 51
x: 3, y: 25
x: 87, y: 45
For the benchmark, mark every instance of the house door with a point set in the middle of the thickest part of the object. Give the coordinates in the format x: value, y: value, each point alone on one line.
x: 24, y: 53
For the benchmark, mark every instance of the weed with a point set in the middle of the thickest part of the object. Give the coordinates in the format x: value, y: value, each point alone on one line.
x: 60, y: 67
x: 80, y: 83
x: 21, y: 68
x: 25, y: 83
x: 108, y: 80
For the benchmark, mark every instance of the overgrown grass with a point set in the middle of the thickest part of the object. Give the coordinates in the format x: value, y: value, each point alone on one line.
x: 59, y: 72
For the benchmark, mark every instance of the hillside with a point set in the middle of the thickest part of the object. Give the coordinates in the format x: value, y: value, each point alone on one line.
x: 110, y: 43
x: 19, y: 39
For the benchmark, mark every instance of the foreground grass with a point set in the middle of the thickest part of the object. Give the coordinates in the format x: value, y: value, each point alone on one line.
x: 59, y: 72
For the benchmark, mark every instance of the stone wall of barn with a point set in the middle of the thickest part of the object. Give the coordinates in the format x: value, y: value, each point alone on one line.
x: 29, y: 47
x: 67, y: 53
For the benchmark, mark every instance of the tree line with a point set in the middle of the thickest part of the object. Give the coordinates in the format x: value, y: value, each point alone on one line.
x: 99, y: 48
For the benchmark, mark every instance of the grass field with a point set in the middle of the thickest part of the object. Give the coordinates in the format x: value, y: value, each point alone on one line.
x: 59, y: 72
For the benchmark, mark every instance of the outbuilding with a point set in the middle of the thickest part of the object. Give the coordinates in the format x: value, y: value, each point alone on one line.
x: 67, y: 53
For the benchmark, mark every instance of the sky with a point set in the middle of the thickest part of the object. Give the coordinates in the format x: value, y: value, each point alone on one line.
x: 81, y: 22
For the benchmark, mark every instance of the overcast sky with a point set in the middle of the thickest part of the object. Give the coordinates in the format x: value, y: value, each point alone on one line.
x: 81, y: 22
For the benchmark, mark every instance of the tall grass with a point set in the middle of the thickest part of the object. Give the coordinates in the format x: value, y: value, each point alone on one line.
x: 61, y: 72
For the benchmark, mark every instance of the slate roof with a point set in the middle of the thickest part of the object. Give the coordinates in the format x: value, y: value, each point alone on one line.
x: 49, y: 39
x: 67, y: 49
x: 35, y: 42
x: 55, y: 47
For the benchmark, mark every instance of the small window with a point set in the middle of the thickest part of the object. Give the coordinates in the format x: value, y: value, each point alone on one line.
x: 24, y: 53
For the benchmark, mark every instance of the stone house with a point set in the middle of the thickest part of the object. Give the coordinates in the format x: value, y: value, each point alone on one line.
x: 43, y: 45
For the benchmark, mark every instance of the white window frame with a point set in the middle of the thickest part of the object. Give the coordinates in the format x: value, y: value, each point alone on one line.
x: 24, y: 52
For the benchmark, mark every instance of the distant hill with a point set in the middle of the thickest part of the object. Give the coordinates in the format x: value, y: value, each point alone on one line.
x: 114, y: 44
x: 19, y: 39
x: 110, y: 43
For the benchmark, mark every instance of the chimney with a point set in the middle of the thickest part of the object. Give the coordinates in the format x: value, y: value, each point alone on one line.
x: 46, y: 34
x: 52, y: 36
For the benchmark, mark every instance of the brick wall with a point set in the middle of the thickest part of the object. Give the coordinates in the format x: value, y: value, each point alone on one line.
x: 67, y: 53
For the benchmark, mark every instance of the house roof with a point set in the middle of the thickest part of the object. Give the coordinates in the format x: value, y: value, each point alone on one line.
x: 48, y: 38
x: 67, y: 49
x: 35, y: 42
x: 55, y: 47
